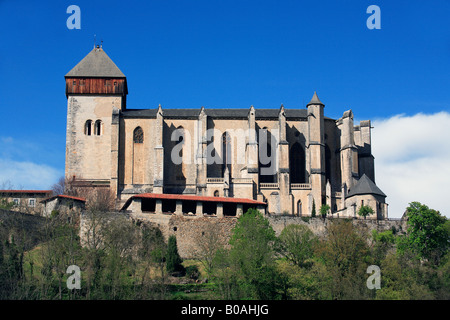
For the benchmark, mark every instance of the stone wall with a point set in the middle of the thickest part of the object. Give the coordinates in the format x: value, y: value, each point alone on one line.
x: 190, y: 230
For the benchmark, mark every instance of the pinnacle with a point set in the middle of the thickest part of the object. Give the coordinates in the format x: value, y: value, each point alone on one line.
x: 315, y: 100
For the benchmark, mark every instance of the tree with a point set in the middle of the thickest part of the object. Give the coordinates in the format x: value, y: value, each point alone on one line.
x: 173, y: 262
x: 364, y: 211
x: 344, y: 253
x: 313, y: 211
x: 297, y: 244
x: 252, y: 256
x: 207, y: 243
x: 324, y: 210
x: 58, y: 187
x: 427, y: 234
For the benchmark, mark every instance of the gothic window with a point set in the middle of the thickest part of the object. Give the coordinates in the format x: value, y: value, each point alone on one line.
x: 216, y: 193
x: 226, y: 152
x: 98, y: 127
x: 327, y: 163
x: 88, y: 127
x: 181, y: 138
x: 267, y: 169
x: 138, y: 135
x: 297, y: 163
x: 299, y: 208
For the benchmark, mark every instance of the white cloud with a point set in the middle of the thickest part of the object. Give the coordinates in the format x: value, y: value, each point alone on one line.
x: 28, y: 175
x: 412, y: 160
x: 26, y: 164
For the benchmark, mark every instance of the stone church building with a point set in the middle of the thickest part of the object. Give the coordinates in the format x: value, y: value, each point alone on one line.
x: 214, y: 161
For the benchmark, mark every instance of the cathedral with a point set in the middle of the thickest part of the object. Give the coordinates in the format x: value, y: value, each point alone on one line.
x: 220, y: 162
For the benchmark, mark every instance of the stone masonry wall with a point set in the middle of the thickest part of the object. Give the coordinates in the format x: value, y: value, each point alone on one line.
x: 190, y: 230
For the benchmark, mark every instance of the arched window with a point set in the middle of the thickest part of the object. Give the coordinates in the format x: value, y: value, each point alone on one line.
x: 98, y: 128
x: 179, y: 166
x: 88, y: 127
x: 216, y: 193
x: 138, y: 135
x: 327, y: 163
x: 267, y: 157
x: 299, y: 208
x: 226, y: 152
x: 297, y: 163
x: 180, y: 139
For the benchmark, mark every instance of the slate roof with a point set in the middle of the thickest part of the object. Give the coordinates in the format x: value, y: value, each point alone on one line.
x: 315, y: 100
x: 96, y: 64
x: 216, y: 113
x: 365, y: 186
x: 65, y: 197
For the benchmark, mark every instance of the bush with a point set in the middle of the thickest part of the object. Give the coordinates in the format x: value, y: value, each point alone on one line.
x: 192, y: 272
x: 173, y: 262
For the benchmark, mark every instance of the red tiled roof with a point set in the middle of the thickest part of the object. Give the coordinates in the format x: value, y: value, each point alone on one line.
x: 192, y: 197
x: 64, y: 196
x: 25, y: 191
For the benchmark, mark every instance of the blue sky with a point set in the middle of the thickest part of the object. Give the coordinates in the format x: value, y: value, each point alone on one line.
x: 225, y: 54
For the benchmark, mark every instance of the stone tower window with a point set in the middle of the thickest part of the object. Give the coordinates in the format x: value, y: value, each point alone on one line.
x: 138, y: 135
x: 88, y: 127
x: 98, y: 128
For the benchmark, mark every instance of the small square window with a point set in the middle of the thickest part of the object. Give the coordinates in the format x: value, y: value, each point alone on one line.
x: 16, y: 201
x: 31, y: 202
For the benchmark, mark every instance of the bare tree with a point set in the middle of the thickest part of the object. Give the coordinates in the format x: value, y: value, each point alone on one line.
x: 207, y: 244
x: 58, y: 187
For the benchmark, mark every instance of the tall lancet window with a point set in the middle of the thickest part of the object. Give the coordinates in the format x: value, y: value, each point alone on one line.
x: 226, y: 153
x: 297, y: 163
x: 138, y: 156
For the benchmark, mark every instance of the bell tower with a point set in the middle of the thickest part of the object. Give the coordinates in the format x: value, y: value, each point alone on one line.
x: 96, y: 93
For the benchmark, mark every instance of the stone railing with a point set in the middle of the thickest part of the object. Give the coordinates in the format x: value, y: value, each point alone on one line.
x: 300, y: 186
x: 242, y: 180
x: 268, y: 185
x: 214, y: 180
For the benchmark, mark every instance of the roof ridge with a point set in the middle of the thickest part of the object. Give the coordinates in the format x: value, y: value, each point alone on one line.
x: 96, y: 64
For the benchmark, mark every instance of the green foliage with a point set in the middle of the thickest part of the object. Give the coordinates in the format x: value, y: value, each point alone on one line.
x: 297, y: 244
x: 192, y: 272
x: 54, y: 213
x: 427, y: 234
x: 364, y: 211
x: 130, y: 262
x: 324, y: 209
x: 313, y: 210
x: 345, y: 254
x: 4, y: 204
x: 251, y: 260
x: 174, y: 261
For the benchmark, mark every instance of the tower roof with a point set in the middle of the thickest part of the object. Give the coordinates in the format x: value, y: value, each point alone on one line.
x: 315, y: 100
x: 365, y: 186
x: 96, y: 64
